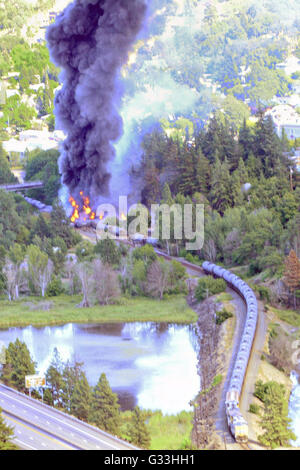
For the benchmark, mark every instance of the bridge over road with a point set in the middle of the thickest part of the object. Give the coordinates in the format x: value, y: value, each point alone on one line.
x: 22, y: 186
x: 40, y: 427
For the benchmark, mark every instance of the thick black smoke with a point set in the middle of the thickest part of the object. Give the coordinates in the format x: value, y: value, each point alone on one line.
x: 90, y: 41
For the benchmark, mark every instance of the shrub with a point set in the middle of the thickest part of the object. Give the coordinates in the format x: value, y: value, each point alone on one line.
x: 222, y: 316
x: 208, y: 286
x: 55, y: 287
x: 263, y: 292
x: 189, y: 257
x: 255, y: 409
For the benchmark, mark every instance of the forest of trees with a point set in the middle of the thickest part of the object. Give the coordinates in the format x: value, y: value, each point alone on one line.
x: 243, y: 180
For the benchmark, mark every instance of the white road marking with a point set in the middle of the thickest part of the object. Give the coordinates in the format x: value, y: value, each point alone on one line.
x: 23, y: 444
x: 61, y: 421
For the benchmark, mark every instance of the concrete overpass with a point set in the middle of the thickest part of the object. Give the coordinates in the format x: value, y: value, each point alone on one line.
x: 40, y: 427
x: 22, y: 187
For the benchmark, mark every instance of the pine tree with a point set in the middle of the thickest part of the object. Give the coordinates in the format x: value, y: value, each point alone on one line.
x: 221, y: 191
x: 54, y: 378
x: 186, y: 180
x: 245, y: 141
x: 71, y: 374
x: 105, y: 411
x: 81, y: 398
x: 151, y: 190
x: 167, y: 195
x: 267, y: 147
x: 242, y: 172
x: 211, y: 143
x: 6, y: 435
x: 138, y: 432
x: 18, y: 364
x: 275, y: 421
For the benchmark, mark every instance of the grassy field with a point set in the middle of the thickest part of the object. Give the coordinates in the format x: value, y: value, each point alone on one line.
x: 170, y: 432
x: 167, y: 432
x: 64, y: 309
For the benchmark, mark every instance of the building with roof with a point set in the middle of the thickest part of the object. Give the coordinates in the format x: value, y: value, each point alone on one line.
x: 286, y: 118
x: 31, y: 140
x: 290, y: 66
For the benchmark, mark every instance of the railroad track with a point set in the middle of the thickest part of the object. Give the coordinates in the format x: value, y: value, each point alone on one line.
x: 199, y: 270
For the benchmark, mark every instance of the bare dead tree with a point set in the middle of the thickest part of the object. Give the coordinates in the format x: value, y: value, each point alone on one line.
x: 158, y: 278
x: 281, y: 351
x: 84, y: 271
x: 106, y: 283
x: 210, y: 250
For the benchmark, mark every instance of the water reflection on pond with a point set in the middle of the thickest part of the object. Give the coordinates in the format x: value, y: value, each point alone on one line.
x: 148, y: 364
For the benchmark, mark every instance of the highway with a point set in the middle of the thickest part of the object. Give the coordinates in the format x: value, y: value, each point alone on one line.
x: 41, y: 427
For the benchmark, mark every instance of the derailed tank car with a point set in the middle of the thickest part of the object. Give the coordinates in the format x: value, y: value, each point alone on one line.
x: 236, y: 422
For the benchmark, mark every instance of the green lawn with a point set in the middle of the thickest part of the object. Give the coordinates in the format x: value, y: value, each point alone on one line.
x: 64, y: 310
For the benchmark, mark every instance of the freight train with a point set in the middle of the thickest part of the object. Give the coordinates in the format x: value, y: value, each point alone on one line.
x: 236, y: 422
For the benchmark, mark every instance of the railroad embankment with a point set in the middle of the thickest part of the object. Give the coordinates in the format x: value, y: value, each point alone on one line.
x: 213, y: 360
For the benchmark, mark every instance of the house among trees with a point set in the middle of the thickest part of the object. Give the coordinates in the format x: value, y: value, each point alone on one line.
x: 285, y: 118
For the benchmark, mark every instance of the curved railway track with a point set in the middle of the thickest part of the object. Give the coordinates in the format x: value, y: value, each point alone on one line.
x: 235, y: 386
x: 251, y: 370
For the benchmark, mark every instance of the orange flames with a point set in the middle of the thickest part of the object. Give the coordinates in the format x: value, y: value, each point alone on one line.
x: 85, y: 208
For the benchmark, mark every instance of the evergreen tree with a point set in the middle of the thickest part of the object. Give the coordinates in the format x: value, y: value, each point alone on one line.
x: 6, y: 176
x: 18, y: 364
x: 267, y: 147
x: 275, y: 421
x: 221, y: 192
x: 54, y: 378
x: 245, y: 141
x: 41, y: 228
x: 254, y: 167
x: 81, y: 398
x: 138, y: 432
x: 242, y: 172
x: 151, y: 189
x: 167, y: 195
x: 105, y: 410
x: 60, y: 225
x: 108, y: 251
x: 211, y: 143
x: 71, y: 375
x: 6, y: 435
x: 186, y: 181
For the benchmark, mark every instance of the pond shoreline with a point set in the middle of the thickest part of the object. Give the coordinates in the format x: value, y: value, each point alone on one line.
x: 64, y: 309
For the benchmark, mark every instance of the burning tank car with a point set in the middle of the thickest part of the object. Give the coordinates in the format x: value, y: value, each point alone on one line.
x: 236, y: 422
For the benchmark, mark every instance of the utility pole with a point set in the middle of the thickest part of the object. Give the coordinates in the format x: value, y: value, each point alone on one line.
x: 291, y: 178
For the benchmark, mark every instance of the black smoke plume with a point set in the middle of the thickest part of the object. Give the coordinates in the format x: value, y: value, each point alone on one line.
x: 90, y: 41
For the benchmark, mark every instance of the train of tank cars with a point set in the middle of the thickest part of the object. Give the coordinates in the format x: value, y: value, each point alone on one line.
x: 236, y: 422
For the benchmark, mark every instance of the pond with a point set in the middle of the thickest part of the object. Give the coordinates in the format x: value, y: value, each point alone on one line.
x: 294, y: 408
x: 152, y: 365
